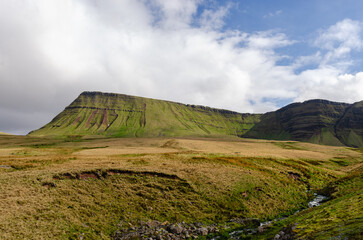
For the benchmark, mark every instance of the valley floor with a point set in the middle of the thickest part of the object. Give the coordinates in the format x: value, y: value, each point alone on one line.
x: 91, y: 188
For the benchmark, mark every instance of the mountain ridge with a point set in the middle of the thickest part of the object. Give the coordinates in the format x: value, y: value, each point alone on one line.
x: 316, y: 121
x: 120, y: 115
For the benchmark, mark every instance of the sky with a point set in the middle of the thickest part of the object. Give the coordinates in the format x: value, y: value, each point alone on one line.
x: 248, y: 55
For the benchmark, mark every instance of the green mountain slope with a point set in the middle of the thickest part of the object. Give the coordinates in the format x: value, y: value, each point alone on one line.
x: 96, y: 113
x: 316, y: 121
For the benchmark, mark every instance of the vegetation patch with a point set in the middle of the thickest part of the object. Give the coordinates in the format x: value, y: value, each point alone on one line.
x: 288, y: 145
x: 139, y: 161
x: 28, y: 163
x: 340, y: 161
x: 313, y: 162
x: 42, y: 145
x: 360, y: 150
x: 97, y: 147
x: 49, y: 184
x: 104, y: 173
x: 73, y: 138
x: 172, y: 144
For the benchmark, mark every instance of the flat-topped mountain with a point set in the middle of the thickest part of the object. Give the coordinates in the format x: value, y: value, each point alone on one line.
x: 119, y: 115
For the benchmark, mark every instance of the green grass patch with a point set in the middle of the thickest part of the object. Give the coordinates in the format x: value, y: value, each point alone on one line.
x: 41, y: 145
x: 340, y: 161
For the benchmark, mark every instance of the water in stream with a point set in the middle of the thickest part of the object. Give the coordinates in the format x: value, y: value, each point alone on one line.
x: 235, y: 234
x: 313, y: 203
x: 317, y: 200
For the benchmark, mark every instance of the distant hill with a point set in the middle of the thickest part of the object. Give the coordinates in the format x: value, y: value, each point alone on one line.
x: 316, y: 121
x: 118, y: 115
x: 2, y: 133
x: 349, y: 128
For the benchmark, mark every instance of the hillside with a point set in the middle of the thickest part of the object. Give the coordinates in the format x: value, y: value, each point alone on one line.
x: 316, y: 121
x: 118, y: 115
x: 2, y: 133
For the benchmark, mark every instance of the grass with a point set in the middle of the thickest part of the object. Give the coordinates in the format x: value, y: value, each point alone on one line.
x: 60, y: 189
x: 338, y: 218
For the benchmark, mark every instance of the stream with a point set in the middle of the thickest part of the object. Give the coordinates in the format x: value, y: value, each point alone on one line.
x: 182, y: 230
x: 317, y: 200
x: 313, y: 203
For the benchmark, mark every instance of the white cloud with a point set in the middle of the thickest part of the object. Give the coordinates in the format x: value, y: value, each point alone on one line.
x: 340, y: 40
x: 268, y: 40
x: 330, y: 79
x: 273, y: 14
x: 214, y: 19
x: 331, y: 84
x: 50, y: 51
x: 175, y: 14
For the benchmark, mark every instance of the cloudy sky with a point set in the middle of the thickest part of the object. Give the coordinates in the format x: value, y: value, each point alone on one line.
x: 242, y: 55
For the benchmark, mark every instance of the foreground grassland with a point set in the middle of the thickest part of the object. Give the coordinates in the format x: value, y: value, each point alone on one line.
x: 71, y: 188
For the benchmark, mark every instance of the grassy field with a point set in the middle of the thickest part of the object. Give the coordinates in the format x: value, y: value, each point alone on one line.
x: 77, y: 187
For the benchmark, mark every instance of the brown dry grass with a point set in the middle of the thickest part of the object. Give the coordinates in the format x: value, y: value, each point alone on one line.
x: 243, y: 147
x: 227, y: 178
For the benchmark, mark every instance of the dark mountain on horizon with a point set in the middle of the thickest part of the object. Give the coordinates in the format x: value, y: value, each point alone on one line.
x: 349, y: 128
x: 316, y: 121
x: 119, y: 115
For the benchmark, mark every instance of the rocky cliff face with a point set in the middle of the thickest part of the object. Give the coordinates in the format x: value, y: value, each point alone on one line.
x: 317, y: 121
